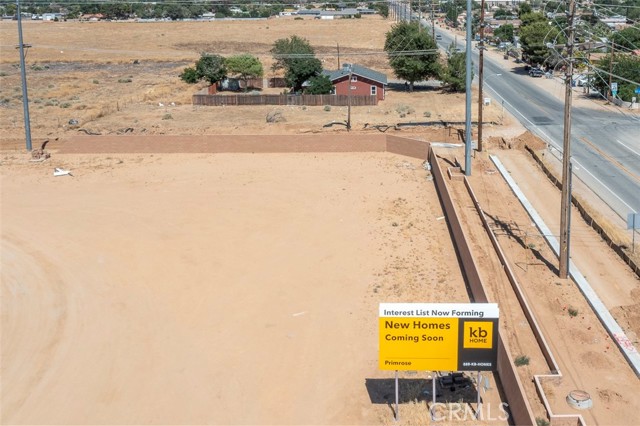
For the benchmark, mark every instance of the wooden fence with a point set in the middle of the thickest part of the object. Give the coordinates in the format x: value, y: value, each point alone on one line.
x: 308, y: 100
x: 277, y: 82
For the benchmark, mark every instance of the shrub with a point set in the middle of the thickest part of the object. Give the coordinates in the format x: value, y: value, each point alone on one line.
x: 96, y: 82
x: 573, y: 312
x: 521, y: 360
x: 327, y: 108
x: 124, y: 80
x: 541, y: 422
x: 65, y: 105
x: 189, y: 75
x: 167, y: 117
x: 403, y: 109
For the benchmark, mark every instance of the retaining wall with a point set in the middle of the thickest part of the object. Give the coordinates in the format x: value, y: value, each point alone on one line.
x: 225, y: 144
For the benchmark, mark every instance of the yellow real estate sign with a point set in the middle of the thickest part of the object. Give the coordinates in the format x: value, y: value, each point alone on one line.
x: 438, y: 336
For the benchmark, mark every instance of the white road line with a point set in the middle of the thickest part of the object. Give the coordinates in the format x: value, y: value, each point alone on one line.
x: 629, y: 148
x: 574, y: 161
x: 604, y: 186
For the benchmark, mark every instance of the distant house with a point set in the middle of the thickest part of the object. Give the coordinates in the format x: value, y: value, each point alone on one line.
x: 51, y: 16
x: 363, y: 81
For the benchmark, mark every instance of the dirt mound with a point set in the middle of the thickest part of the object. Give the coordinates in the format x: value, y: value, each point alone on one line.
x: 526, y: 139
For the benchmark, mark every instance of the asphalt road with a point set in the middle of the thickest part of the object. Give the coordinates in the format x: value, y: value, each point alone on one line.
x: 605, y: 145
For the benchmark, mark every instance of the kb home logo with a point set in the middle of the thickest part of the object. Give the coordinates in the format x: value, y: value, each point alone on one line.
x: 478, y: 334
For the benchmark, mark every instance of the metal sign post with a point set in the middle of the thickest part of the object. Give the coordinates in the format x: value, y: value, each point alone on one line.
x: 479, y: 401
x: 433, y: 395
x: 397, y: 398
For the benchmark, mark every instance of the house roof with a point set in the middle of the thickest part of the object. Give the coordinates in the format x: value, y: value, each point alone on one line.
x: 357, y: 70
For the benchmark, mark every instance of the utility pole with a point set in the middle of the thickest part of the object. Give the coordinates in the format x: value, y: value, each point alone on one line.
x: 480, y: 75
x: 23, y: 75
x: 565, y: 208
x: 433, y: 23
x: 611, y: 70
x: 349, y: 99
x: 468, y: 142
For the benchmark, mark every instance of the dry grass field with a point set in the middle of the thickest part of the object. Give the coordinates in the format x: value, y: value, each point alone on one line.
x: 82, y: 71
x: 242, y: 289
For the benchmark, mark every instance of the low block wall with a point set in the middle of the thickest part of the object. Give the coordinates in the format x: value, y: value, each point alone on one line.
x: 224, y: 144
x: 409, y: 147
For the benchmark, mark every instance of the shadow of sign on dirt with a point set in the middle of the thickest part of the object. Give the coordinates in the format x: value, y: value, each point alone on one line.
x: 382, y: 391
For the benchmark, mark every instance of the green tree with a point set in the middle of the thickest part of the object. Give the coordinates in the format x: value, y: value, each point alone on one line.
x: 452, y: 12
x: 412, y: 53
x: 502, y: 13
x: 625, y: 66
x: 530, y: 18
x: 174, y: 11
x: 631, y: 9
x: 244, y: 67
x: 382, y: 9
x: 297, y: 58
x: 189, y: 75
x: 523, y: 9
x: 504, y: 32
x: 211, y: 68
x: 629, y: 38
x: 319, y: 85
x: 455, y: 74
x: 534, y: 38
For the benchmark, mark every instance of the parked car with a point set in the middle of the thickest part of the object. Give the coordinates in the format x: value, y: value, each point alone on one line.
x: 536, y: 72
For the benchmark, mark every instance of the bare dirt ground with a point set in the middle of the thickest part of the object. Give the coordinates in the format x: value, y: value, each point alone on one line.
x: 243, y: 289
x: 197, y: 289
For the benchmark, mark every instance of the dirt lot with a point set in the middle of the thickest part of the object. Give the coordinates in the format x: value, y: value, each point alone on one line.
x: 243, y: 289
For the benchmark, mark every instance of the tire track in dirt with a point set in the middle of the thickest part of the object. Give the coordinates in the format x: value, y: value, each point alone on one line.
x: 22, y: 355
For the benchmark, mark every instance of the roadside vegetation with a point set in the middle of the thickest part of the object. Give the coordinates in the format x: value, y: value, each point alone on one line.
x: 119, y: 10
